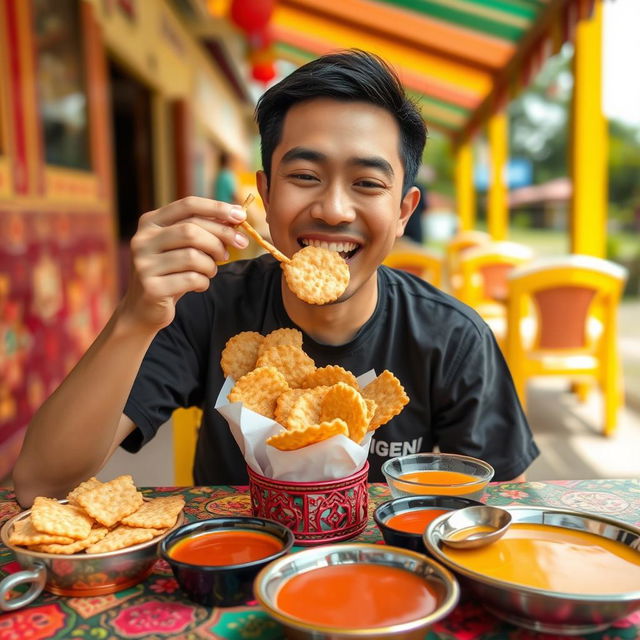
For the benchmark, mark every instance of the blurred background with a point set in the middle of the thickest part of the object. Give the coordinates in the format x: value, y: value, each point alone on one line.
x: 110, y: 108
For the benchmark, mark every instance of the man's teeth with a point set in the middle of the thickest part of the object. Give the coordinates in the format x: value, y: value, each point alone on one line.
x: 331, y: 246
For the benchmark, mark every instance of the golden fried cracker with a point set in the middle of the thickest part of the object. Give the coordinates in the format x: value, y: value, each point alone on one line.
x: 331, y: 374
x: 292, y: 337
x: 156, y: 514
x: 96, y: 534
x: 389, y: 396
x: 292, y: 362
x: 240, y: 354
x: 24, y: 533
x: 292, y: 439
x: 112, y: 501
x: 343, y: 401
x: 68, y: 520
x: 285, y: 403
x: 306, y: 409
x: 121, y: 537
x: 91, y: 483
x: 316, y: 275
x: 259, y: 389
x: 371, y: 411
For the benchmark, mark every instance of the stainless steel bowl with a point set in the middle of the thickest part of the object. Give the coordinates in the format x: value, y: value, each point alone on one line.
x: 537, y: 609
x: 271, y: 578
x: 78, y: 574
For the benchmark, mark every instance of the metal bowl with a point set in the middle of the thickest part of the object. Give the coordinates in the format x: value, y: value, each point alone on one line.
x: 271, y: 578
x: 537, y: 609
x: 405, y: 539
x: 79, y: 574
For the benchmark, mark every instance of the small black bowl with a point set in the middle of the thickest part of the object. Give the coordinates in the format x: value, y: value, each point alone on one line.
x: 224, y: 585
x: 404, y: 539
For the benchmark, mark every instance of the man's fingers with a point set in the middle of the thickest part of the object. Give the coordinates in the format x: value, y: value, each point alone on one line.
x: 194, y: 206
x: 176, y: 284
x: 177, y: 261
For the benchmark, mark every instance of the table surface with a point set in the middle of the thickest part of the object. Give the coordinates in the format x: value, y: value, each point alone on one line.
x: 156, y: 607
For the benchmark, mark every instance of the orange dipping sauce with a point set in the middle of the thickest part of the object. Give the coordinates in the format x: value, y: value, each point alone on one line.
x: 225, y: 547
x: 414, y: 521
x: 357, y: 596
x: 555, y: 559
x: 440, y: 482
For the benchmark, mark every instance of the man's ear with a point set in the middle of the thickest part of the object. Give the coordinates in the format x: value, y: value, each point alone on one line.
x: 407, y: 207
x: 262, y: 183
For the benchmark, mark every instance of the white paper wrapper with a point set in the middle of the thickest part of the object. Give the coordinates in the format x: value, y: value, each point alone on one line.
x: 332, y: 459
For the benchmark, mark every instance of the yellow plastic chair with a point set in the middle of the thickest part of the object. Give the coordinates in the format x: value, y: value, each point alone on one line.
x: 455, y: 248
x: 423, y: 263
x: 575, y: 303
x: 185, y: 423
x: 483, y: 280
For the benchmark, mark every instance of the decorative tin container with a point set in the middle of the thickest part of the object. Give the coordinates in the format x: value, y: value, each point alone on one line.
x: 316, y: 512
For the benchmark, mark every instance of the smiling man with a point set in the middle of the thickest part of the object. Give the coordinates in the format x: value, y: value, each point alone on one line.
x: 341, y: 145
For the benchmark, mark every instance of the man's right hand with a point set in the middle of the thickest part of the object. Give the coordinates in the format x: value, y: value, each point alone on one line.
x: 175, y: 250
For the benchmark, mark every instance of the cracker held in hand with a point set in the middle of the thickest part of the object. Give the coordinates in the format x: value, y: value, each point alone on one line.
x: 389, y: 396
x: 316, y: 275
x: 240, y: 354
x: 49, y: 516
x: 159, y: 513
x: 292, y: 439
x: 259, y: 390
x: 111, y: 501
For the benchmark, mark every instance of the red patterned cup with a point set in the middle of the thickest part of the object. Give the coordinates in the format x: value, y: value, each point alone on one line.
x: 316, y: 512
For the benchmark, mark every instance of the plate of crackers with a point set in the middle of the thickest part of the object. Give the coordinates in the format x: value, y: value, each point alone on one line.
x: 102, y: 538
x: 280, y: 403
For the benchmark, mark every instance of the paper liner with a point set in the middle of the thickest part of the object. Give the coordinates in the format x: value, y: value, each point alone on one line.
x: 331, y: 459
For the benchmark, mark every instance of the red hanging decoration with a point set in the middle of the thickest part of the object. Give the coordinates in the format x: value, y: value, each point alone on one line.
x: 263, y: 72
x: 252, y: 16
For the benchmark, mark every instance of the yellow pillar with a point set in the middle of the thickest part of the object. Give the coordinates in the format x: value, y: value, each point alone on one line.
x: 589, y: 141
x: 465, y: 194
x: 497, y: 205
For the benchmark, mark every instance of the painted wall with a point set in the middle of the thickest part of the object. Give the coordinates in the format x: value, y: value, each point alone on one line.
x: 58, y: 264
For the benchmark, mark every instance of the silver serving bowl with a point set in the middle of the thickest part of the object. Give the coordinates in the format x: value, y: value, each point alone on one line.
x: 273, y: 576
x: 78, y: 574
x: 537, y: 609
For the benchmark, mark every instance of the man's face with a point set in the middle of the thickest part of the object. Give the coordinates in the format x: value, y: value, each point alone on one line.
x: 336, y: 182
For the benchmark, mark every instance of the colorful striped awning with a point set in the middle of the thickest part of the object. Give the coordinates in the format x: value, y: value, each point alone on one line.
x: 462, y: 59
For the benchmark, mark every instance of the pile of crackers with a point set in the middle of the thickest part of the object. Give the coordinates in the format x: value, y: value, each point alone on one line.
x: 99, y: 517
x: 277, y: 379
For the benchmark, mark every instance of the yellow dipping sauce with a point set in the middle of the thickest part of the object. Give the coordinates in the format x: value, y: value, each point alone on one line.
x: 555, y: 559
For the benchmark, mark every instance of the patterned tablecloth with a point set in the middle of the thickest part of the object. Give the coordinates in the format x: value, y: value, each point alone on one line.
x: 157, y: 609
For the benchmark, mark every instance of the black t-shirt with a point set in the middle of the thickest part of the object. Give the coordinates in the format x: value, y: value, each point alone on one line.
x: 462, y: 398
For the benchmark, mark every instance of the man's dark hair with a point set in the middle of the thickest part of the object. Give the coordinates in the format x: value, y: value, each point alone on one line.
x: 349, y: 76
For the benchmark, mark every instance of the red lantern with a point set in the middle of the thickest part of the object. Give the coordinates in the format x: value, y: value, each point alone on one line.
x: 251, y: 16
x: 263, y: 72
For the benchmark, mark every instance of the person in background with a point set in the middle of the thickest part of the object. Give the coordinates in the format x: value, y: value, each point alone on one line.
x: 341, y: 146
x: 225, y: 187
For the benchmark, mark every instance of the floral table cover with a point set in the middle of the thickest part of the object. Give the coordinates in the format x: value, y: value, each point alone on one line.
x: 156, y: 608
